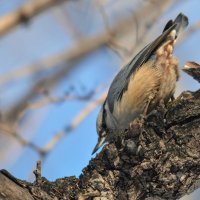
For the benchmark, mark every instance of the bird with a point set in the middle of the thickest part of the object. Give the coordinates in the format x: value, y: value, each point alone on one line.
x: 141, y: 85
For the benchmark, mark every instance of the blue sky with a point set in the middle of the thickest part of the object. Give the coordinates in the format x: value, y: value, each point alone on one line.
x: 44, y: 37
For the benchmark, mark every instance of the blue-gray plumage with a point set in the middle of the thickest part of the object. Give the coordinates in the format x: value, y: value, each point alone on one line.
x: 150, y: 77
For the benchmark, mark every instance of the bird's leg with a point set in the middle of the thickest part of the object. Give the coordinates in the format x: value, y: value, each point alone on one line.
x: 146, y: 108
x: 184, y: 95
x: 161, y: 105
x: 172, y: 98
x: 145, y: 115
x: 155, y: 118
x: 158, y: 112
x: 147, y: 105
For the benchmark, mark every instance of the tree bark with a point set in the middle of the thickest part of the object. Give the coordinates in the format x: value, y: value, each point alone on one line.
x: 158, y: 157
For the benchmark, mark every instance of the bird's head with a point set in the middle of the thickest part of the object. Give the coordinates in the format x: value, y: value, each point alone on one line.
x: 101, y: 129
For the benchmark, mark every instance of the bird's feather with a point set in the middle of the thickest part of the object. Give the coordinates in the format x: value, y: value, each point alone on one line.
x: 120, y: 82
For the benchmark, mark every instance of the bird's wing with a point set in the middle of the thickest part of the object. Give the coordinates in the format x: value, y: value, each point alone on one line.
x: 120, y: 82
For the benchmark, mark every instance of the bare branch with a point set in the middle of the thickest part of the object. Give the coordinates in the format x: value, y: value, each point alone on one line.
x: 50, y: 81
x: 37, y: 172
x: 75, y: 122
x: 156, y: 159
x: 11, y: 129
x: 87, y: 45
x: 63, y: 19
x: 25, y: 14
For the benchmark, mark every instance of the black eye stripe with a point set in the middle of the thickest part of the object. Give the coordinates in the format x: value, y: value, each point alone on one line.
x: 103, y: 134
x: 104, y: 127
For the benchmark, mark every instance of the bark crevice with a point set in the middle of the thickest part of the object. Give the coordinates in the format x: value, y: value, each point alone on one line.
x: 156, y: 158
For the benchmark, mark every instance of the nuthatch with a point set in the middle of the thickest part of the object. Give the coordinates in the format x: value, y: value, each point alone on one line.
x: 148, y: 79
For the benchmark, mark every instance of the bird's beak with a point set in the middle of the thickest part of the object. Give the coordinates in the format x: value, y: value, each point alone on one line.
x: 99, y: 144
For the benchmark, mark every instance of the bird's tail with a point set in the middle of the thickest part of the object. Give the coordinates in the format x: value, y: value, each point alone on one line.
x: 179, y: 23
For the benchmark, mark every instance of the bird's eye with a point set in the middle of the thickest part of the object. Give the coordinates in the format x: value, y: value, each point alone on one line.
x: 99, y: 130
x: 103, y: 133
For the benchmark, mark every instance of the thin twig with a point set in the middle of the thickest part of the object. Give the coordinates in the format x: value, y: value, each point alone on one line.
x: 75, y: 122
x: 25, y: 13
x: 85, y: 45
x: 57, y: 100
x: 37, y: 172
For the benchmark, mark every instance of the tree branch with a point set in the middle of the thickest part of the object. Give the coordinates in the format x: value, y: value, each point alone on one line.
x: 89, y: 44
x: 24, y: 14
x: 156, y: 158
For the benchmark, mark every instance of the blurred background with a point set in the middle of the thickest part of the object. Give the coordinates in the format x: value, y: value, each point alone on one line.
x: 57, y: 60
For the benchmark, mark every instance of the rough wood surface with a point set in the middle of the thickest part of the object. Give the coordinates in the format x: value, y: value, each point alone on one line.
x: 10, y: 190
x: 157, y: 158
